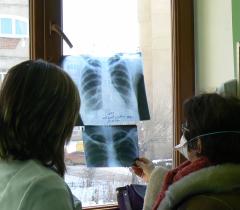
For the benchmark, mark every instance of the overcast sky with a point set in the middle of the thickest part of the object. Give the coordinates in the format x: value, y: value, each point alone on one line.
x: 101, y: 27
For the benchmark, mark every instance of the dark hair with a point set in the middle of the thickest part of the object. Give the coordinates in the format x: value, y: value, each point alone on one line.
x: 209, y: 113
x: 39, y: 104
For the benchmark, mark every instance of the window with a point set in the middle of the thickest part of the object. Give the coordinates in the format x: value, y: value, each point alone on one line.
x: 6, y: 26
x: 21, y: 27
x: 50, y: 48
x: 13, y: 26
x: 46, y: 45
x: 109, y: 31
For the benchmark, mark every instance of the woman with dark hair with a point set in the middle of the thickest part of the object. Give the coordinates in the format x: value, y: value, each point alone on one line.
x: 39, y: 104
x: 209, y: 179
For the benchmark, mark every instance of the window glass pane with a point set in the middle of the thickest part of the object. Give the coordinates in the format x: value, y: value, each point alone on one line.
x: 21, y: 27
x: 13, y: 49
x: 6, y: 26
x: 103, y: 28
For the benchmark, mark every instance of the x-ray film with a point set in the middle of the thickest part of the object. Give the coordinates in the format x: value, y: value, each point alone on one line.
x: 110, y: 146
x: 112, y: 89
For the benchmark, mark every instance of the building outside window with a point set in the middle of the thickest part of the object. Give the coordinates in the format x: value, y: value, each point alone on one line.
x: 14, y: 35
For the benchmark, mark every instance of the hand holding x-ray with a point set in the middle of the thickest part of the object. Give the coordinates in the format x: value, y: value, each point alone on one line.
x: 143, y: 168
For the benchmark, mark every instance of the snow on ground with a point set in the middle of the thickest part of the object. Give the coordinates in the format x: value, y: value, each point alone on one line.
x: 96, y: 186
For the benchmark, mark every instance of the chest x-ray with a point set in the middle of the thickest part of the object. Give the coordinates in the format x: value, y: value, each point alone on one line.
x: 111, y: 88
x: 110, y: 146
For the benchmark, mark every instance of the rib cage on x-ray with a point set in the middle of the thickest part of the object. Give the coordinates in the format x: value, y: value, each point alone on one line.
x: 109, y: 88
x: 110, y: 146
x: 91, y: 82
x: 121, y: 81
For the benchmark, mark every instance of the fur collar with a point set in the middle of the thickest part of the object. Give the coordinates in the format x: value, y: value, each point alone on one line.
x: 213, y: 179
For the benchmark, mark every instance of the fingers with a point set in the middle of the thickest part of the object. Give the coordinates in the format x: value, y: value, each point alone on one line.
x: 143, y: 168
x: 143, y: 162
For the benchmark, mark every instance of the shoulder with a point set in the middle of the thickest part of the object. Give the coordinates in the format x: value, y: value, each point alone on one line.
x: 35, y: 173
x: 35, y: 187
x: 46, y: 184
x: 222, y: 201
x: 219, y: 178
x: 22, y: 173
x: 214, y: 179
x: 46, y: 192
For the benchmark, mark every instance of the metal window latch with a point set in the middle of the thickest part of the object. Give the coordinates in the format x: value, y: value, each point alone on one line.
x: 56, y: 28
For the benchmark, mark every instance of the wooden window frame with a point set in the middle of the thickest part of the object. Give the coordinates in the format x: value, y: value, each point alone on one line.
x: 183, y: 64
x: 44, y: 43
x: 48, y: 45
x: 102, y: 207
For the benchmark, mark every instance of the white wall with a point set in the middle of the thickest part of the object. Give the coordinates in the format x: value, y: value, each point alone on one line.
x: 213, y: 43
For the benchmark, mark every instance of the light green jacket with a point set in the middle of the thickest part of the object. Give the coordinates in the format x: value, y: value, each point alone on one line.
x: 27, y: 185
x: 212, y: 188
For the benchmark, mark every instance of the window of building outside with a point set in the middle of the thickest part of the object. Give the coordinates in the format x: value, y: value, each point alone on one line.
x: 14, y: 35
x: 6, y: 25
x: 116, y: 26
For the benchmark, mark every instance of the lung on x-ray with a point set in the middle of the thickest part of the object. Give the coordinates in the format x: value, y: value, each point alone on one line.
x: 112, y: 88
x: 110, y: 146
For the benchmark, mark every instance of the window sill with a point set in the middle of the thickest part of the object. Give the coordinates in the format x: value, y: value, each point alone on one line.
x: 105, y: 207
